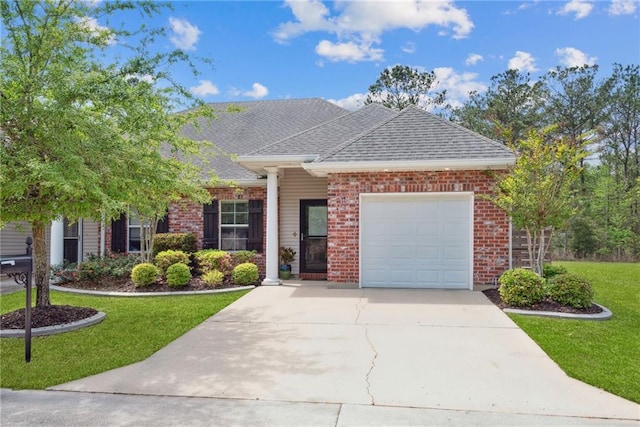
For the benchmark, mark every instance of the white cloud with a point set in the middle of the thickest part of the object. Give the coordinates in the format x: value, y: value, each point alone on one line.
x: 409, y: 47
x: 622, y: 7
x: 204, y: 88
x: 352, y: 102
x: 258, y: 91
x: 581, y: 8
x: 473, y: 59
x: 148, y: 78
x: 349, y: 52
x: 572, y: 57
x: 523, y: 61
x: 96, y: 30
x: 185, y: 35
x: 360, y: 24
x: 457, y: 85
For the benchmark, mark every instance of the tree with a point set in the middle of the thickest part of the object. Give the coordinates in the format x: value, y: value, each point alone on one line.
x: 84, y: 135
x: 511, y: 106
x: 536, y: 193
x: 401, y: 86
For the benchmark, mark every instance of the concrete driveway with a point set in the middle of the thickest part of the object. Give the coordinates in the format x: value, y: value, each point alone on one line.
x: 432, y: 349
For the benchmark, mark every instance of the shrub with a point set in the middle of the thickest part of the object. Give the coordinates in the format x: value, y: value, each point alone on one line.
x: 213, y: 278
x: 245, y: 274
x: 241, y: 257
x: 96, y: 267
x: 165, y: 259
x: 185, y: 242
x: 144, y: 274
x: 521, y: 288
x: 178, y: 275
x: 65, y: 272
x: 551, y: 270
x: 214, y: 259
x: 569, y: 289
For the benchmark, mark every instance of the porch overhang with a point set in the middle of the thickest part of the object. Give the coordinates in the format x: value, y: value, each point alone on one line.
x: 322, y: 169
x: 259, y: 164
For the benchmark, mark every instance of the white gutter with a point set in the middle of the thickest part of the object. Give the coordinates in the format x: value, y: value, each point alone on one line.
x: 324, y: 168
x: 276, y: 160
x: 244, y: 183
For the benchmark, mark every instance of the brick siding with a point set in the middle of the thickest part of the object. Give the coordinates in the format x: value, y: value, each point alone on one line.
x: 490, y: 228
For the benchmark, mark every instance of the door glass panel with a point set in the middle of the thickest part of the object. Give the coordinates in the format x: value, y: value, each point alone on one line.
x: 70, y: 230
x: 317, y: 220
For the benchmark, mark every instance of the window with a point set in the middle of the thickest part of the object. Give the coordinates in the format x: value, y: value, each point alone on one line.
x: 234, y: 225
x: 133, y: 243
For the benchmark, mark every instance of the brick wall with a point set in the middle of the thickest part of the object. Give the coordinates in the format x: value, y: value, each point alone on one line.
x: 490, y: 228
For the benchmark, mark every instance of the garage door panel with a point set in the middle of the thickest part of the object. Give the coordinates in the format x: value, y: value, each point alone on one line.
x: 416, y: 241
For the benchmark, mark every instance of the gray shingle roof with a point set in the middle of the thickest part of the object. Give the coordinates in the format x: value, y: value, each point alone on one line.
x: 326, y: 136
x: 260, y: 123
x: 414, y: 134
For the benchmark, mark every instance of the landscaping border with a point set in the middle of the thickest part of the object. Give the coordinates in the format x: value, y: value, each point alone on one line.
x: 604, y: 315
x: 57, y: 329
x: 146, y: 294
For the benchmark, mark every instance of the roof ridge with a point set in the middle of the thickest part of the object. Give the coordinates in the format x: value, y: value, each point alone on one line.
x: 359, y: 136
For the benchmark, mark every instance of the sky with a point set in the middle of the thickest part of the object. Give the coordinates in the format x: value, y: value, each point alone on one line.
x: 335, y: 50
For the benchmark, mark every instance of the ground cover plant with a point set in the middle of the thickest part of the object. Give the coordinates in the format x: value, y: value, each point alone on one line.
x: 133, y: 330
x: 601, y: 353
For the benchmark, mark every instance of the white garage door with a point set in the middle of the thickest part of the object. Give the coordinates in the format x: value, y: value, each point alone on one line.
x: 416, y: 240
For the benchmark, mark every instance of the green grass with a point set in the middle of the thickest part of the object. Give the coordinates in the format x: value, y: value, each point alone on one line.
x: 134, y: 329
x: 605, y: 354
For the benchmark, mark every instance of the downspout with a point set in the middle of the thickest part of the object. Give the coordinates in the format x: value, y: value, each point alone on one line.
x: 510, y: 244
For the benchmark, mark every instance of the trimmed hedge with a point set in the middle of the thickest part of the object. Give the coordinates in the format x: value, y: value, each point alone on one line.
x: 166, y: 259
x: 178, y: 275
x: 144, y: 274
x: 569, y: 289
x: 240, y: 257
x: 214, y: 259
x: 551, y: 270
x: 185, y: 242
x: 245, y: 274
x: 521, y: 288
x: 213, y: 278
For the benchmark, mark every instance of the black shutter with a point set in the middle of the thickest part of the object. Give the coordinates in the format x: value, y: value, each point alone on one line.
x: 163, y: 224
x: 210, y: 225
x: 119, y: 234
x: 255, y: 226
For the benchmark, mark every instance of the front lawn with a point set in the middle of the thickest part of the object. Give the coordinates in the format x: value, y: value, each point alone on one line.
x: 605, y: 354
x: 134, y: 329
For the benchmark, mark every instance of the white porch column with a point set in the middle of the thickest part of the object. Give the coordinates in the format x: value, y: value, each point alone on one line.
x: 56, y: 255
x: 272, y: 228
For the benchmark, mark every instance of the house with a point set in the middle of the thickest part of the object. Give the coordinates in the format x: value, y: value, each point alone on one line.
x: 374, y: 197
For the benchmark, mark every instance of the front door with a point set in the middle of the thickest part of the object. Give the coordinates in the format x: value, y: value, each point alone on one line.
x: 71, y: 240
x: 313, y: 236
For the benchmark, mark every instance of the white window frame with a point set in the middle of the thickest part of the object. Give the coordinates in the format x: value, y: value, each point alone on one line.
x: 234, y: 226
x: 132, y: 214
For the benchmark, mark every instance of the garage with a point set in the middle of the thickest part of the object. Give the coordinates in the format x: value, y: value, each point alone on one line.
x: 416, y: 240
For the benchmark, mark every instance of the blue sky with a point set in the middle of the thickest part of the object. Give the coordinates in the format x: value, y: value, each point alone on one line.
x: 335, y: 50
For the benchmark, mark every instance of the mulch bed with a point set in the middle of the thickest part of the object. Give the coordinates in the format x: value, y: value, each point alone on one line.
x: 544, y: 305
x: 61, y: 314
x: 46, y: 316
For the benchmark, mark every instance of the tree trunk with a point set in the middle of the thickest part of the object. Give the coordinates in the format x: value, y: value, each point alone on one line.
x: 41, y: 257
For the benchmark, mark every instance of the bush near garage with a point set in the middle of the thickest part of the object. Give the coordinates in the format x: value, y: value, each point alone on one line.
x: 570, y: 289
x: 178, y: 275
x: 245, y: 274
x: 521, y: 288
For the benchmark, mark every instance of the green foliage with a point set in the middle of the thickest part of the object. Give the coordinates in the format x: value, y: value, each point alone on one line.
x: 551, y: 270
x: 287, y: 255
x: 165, y: 259
x: 65, y: 272
x: 570, y: 289
x: 240, y: 257
x: 185, y: 242
x: 400, y: 86
x: 213, y: 278
x: 536, y: 193
x: 584, y: 241
x: 214, y: 259
x: 178, y: 275
x: 245, y: 274
x: 144, y: 274
x: 114, y: 265
x: 83, y: 130
x: 521, y: 288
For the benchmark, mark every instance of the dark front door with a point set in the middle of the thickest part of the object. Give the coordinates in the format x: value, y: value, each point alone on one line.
x: 313, y: 236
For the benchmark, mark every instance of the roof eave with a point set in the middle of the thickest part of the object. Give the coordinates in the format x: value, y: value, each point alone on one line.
x: 258, y: 164
x: 322, y: 169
